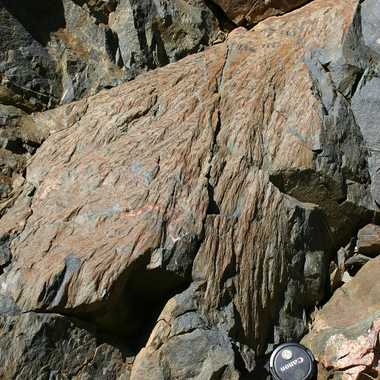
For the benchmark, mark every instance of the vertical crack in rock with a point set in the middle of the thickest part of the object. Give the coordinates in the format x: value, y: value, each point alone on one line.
x: 213, y: 208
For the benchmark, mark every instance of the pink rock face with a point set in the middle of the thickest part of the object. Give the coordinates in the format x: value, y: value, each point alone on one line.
x: 248, y: 12
x: 345, y: 334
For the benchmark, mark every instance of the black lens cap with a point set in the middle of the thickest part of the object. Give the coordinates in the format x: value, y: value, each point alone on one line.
x: 292, y: 361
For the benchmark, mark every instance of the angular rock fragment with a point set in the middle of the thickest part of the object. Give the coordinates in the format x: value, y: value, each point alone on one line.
x: 183, y: 345
x: 19, y: 139
x: 43, y: 346
x: 152, y: 34
x: 369, y: 240
x: 344, y: 336
x: 80, y: 47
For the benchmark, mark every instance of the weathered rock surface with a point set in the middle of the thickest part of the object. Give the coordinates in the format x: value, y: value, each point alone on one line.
x: 79, y: 47
x: 152, y: 34
x: 249, y: 12
x: 56, y: 52
x: 41, y: 346
x: 369, y: 240
x: 184, y: 346
x: 19, y: 139
x: 219, y: 186
x: 345, y: 334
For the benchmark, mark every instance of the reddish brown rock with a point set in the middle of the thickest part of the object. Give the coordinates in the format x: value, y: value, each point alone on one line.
x: 223, y: 170
x: 345, y: 334
x: 369, y: 240
x: 248, y: 12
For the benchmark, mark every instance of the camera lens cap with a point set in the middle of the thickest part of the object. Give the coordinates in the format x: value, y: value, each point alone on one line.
x: 292, y: 361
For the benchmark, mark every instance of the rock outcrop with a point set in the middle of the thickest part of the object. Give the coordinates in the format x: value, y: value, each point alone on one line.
x: 37, y: 346
x: 192, y: 213
x: 19, y: 139
x: 56, y: 52
x: 345, y: 334
x: 78, y: 47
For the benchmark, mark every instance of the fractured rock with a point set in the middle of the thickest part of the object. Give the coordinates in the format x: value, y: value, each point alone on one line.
x: 344, y: 336
x: 19, y: 139
x: 80, y: 47
x: 369, y: 240
x: 50, y: 346
x: 240, y: 168
x: 183, y: 345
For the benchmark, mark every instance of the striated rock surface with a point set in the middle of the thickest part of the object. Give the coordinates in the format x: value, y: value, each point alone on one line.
x: 192, y: 213
x: 345, y: 333
x: 56, y: 52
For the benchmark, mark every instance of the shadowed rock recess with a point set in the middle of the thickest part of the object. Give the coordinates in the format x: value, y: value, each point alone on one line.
x: 182, y: 224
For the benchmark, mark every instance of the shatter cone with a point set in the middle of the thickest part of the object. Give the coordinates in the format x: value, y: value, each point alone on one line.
x: 225, y: 180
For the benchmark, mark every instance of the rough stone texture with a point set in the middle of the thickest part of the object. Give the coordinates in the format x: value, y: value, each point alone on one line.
x: 249, y: 12
x: 57, y: 52
x: 184, y: 346
x: 19, y: 139
x: 366, y: 106
x: 361, y: 56
x: 369, y: 240
x: 28, y: 77
x: 152, y: 33
x: 187, y: 164
x: 227, y: 181
x: 345, y: 333
x: 35, y: 346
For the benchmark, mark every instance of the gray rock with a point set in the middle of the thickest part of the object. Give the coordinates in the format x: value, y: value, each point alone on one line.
x: 366, y: 108
x: 369, y: 240
x: 46, y: 346
x: 370, y: 11
x: 81, y: 47
x: 28, y: 74
x: 152, y: 33
x: 183, y: 345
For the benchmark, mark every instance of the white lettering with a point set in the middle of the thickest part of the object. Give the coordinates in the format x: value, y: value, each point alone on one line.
x: 292, y: 364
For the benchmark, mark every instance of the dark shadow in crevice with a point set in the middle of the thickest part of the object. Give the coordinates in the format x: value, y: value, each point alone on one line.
x: 261, y: 371
x: 225, y: 23
x: 39, y: 18
x: 140, y: 17
x: 133, y: 306
x: 212, y: 208
x: 18, y: 146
